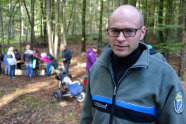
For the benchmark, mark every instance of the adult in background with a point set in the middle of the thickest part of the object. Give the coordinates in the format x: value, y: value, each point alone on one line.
x: 1, y: 57
x: 91, y: 57
x: 49, y: 63
x: 28, y: 59
x: 11, y: 62
x: 18, y: 57
x: 66, y: 57
x: 128, y: 85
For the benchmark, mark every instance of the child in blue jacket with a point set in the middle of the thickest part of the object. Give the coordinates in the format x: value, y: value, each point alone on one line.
x: 6, y: 64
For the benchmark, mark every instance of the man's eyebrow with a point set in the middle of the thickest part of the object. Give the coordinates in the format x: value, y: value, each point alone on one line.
x: 122, y: 28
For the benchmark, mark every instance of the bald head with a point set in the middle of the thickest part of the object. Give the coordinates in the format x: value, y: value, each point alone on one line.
x: 128, y: 11
x: 27, y: 47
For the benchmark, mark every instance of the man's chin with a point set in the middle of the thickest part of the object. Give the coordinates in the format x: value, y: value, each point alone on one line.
x: 121, y: 54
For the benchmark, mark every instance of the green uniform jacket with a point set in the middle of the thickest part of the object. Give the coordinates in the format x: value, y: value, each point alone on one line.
x: 150, y: 92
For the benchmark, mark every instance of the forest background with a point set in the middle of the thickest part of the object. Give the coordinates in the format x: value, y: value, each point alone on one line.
x: 53, y: 22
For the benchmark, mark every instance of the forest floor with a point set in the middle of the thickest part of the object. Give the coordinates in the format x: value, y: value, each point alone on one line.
x: 29, y: 100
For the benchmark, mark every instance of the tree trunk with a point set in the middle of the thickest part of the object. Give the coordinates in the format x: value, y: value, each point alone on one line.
x: 2, y: 30
x: 56, y: 29
x: 33, y: 43
x: 52, y: 8
x: 168, y: 31
x: 73, y: 22
x: 31, y: 21
x: 45, y: 25
x: 11, y: 9
x: 71, y: 14
x: 63, y: 36
x: 100, y: 26
x: 180, y: 21
x: 83, y: 46
x: 183, y: 49
x: 49, y: 28
x: 41, y: 20
x: 64, y: 16
x: 20, y: 35
x: 160, y: 20
x: 183, y: 55
x: 151, y: 34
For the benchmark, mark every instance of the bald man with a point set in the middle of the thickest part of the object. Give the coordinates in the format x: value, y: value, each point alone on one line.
x: 128, y: 85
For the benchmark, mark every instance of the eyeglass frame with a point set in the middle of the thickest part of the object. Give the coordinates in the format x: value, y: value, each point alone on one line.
x: 122, y: 30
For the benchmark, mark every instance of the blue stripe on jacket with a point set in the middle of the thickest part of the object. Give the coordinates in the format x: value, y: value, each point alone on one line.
x: 147, y: 110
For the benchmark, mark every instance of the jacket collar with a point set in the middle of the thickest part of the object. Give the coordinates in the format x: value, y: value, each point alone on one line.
x: 143, y: 60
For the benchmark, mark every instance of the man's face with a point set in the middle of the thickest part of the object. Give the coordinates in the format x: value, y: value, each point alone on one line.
x: 123, y: 46
x: 63, y: 47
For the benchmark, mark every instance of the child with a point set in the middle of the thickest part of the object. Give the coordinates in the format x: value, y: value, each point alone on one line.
x: 11, y: 62
x: 6, y: 65
x: 49, y: 63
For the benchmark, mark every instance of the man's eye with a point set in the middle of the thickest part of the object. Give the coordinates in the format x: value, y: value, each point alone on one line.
x: 115, y: 30
x: 129, y: 30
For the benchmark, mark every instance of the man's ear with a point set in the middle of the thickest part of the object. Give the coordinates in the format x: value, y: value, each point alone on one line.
x: 143, y: 31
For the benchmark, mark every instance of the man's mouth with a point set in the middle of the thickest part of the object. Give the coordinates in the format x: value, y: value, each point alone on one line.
x: 121, y: 47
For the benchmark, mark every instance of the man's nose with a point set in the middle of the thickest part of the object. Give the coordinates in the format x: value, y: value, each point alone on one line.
x: 121, y: 36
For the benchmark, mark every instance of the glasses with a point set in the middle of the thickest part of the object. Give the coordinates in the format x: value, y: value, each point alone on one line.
x: 127, y: 32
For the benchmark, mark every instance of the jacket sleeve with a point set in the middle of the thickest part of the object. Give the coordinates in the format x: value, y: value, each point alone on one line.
x: 172, y: 102
x: 86, y: 116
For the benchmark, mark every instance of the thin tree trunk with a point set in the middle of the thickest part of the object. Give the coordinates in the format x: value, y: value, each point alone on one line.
x: 49, y: 28
x: 100, y: 26
x: 20, y: 35
x: 180, y: 21
x: 56, y: 28
x: 45, y: 25
x: 31, y: 21
x: 183, y: 55
x: 41, y: 27
x: 52, y: 8
x: 83, y: 46
x: 10, y: 21
x: 168, y: 31
x: 2, y: 31
x: 64, y: 17
x: 72, y: 12
x: 160, y: 20
x: 183, y: 49
x: 33, y: 43
x: 74, y: 22
x: 63, y: 36
x: 151, y: 34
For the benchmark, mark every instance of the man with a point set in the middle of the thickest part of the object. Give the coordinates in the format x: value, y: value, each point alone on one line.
x: 28, y: 59
x: 127, y: 85
x: 91, y: 57
x: 66, y: 57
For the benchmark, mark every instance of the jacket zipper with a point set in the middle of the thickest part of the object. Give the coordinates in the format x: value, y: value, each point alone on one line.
x: 115, y: 91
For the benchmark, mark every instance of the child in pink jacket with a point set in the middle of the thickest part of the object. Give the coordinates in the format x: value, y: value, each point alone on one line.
x: 49, y: 63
